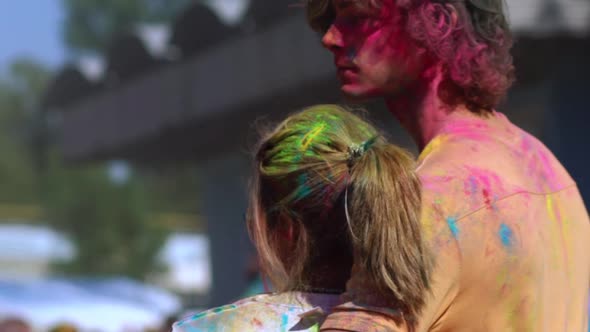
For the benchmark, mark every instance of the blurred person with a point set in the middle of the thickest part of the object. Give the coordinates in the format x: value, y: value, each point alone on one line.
x: 63, y: 327
x: 14, y: 324
x: 506, y: 221
x: 326, y: 184
x: 167, y: 324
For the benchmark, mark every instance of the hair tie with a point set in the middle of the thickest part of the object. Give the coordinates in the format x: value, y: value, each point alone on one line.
x: 355, y: 151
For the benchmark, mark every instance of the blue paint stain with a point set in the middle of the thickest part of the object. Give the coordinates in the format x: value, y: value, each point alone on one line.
x: 505, y: 235
x: 200, y: 315
x: 284, y: 322
x: 452, y: 222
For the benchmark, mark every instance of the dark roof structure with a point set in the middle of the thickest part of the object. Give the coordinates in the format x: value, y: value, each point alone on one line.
x: 198, y: 96
x: 127, y: 58
x: 196, y: 29
x: 67, y: 87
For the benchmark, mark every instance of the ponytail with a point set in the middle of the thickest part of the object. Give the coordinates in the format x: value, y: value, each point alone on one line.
x: 383, y: 211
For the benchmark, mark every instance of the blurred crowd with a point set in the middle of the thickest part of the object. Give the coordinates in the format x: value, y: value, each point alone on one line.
x: 16, y: 324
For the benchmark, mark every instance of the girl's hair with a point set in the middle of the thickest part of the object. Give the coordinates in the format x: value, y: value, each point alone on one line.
x: 474, y: 51
x: 326, y: 183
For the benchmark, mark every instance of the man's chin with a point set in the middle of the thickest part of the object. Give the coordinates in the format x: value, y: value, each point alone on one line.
x: 357, y: 94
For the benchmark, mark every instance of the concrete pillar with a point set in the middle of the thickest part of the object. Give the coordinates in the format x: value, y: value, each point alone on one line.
x: 223, y: 202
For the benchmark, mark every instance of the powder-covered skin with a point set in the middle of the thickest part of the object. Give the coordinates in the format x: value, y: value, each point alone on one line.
x: 509, y: 231
x: 290, y: 311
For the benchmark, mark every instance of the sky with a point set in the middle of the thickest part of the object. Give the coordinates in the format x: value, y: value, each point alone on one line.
x: 33, y: 28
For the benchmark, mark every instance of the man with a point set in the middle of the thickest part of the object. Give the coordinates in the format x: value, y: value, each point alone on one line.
x: 504, y: 219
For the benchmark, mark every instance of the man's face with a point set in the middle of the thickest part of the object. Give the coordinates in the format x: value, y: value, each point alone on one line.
x: 372, y: 53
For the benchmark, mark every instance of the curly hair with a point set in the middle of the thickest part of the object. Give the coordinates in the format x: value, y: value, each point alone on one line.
x: 474, y: 49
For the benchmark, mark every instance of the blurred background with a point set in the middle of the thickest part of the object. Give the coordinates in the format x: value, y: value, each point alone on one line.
x: 125, y: 133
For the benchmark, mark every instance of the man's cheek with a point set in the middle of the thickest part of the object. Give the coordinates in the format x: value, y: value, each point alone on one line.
x: 376, y: 75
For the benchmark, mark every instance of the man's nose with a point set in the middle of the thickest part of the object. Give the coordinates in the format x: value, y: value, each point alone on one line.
x: 332, y: 39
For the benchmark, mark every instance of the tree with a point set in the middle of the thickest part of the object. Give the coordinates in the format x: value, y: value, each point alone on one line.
x: 91, y: 24
x: 19, y: 94
x: 110, y: 224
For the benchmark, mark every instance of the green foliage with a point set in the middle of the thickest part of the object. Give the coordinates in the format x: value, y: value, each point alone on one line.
x: 174, y: 189
x: 110, y: 224
x: 19, y: 92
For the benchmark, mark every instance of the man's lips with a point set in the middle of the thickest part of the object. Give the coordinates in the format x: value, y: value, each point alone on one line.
x: 346, y: 73
x: 345, y: 64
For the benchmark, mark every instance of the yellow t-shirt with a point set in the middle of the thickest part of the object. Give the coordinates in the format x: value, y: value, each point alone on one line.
x: 509, y: 231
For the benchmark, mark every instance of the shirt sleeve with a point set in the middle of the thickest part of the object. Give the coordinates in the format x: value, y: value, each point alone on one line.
x: 353, y: 320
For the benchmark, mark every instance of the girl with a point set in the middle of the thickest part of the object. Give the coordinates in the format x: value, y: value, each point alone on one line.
x: 327, y: 190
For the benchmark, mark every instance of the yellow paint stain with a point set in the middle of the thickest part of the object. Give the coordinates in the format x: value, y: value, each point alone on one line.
x: 432, y: 146
x: 502, y: 278
x: 555, y: 214
x: 311, y: 135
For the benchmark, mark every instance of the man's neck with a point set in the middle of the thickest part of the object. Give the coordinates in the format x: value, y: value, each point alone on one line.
x: 422, y: 113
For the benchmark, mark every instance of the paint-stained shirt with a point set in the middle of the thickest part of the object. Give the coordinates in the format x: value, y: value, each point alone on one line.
x: 509, y: 231
x: 290, y: 311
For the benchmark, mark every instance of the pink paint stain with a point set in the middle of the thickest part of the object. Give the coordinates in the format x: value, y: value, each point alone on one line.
x: 488, y: 181
x: 548, y: 171
x: 471, y: 129
x: 525, y: 143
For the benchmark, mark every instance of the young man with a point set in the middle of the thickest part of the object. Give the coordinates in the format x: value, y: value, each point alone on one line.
x: 505, y: 220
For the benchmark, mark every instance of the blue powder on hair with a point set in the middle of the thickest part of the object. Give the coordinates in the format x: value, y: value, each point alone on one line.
x: 303, y: 190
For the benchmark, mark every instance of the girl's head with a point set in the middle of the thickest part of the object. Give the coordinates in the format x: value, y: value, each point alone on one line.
x: 328, y: 186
